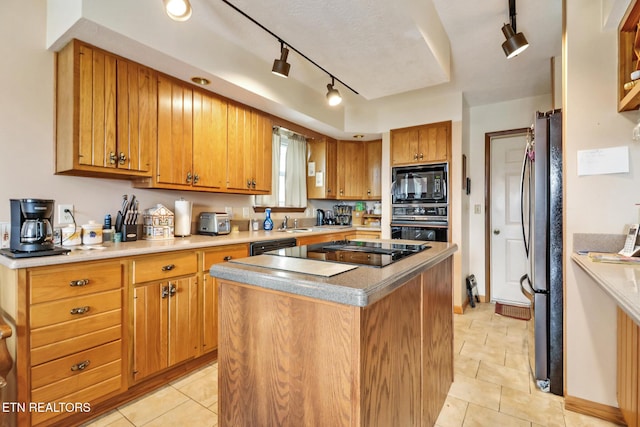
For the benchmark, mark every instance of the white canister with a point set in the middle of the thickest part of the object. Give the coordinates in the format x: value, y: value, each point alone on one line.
x: 92, y: 233
x: 71, y: 236
x: 377, y: 208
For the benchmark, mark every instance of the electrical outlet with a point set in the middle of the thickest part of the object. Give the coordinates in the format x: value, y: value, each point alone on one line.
x: 64, y: 217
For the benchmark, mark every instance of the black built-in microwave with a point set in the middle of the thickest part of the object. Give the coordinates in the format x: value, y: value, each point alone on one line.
x: 420, y: 183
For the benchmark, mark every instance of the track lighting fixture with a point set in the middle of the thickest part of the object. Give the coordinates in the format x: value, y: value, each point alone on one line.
x: 178, y: 10
x: 516, y: 42
x: 333, y: 96
x: 281, y: 66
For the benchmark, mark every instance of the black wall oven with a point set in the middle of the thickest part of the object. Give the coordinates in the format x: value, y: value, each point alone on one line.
x: 420, y: 203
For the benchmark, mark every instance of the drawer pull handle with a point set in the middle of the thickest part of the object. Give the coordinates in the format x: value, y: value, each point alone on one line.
x: 228, y: 258
x: 168, y: 267
x: 80, y: 310
x: 81, y: 282
x: 81, y: 366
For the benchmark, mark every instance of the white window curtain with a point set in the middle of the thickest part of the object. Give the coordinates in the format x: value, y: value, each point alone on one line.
x: 295, y: 175
x: 288, y: 171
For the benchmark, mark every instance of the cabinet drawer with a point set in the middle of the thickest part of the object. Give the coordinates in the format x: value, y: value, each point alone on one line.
x: 68, y: 374
x: 53, y: 283
x: 73, y: 345
x: 54, y: 312
x: 90, y: 394
x: 75, y: 328
x: 224, y: 253
x: 160, y: 267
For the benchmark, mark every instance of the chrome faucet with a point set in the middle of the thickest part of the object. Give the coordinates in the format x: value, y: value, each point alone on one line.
x: 284, y: 223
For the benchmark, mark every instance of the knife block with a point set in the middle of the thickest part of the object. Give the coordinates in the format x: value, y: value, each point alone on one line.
x: 130, y: 232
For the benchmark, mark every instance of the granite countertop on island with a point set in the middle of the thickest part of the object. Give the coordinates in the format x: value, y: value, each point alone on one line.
x: 619, y: 281
x: 360, y: 286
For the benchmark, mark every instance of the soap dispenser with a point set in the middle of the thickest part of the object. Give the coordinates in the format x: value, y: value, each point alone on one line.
x: 268, y: 222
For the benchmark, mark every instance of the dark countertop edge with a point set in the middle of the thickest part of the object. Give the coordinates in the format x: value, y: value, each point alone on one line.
x: 147, y: 247
x: 319, y: 287
x: 608, y: 283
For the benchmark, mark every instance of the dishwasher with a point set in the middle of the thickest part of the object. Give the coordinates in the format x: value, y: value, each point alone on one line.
x: 257, y: 248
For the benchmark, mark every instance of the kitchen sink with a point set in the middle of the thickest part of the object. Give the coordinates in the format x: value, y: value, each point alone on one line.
x: 296, y: 230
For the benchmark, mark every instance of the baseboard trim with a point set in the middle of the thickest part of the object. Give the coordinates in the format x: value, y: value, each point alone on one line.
x: 593, y: 409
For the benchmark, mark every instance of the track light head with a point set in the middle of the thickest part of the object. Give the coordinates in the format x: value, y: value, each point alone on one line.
x: 515, y: 43
x: 281, y: 66
x: 178, y: 10
x: 333, y: 96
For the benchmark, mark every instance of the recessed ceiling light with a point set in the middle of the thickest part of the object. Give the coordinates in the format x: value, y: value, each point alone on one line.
x: 200, y: 81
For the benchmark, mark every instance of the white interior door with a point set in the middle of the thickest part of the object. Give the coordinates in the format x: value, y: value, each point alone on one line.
x: 508, y: 258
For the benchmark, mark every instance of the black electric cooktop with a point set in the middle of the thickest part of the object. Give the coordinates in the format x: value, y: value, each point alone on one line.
x: 370, y: 254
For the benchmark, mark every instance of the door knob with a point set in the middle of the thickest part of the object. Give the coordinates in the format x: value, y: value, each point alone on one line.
x: 496, y: 231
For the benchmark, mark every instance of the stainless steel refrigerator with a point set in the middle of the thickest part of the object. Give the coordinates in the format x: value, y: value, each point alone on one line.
x: 542, y: 230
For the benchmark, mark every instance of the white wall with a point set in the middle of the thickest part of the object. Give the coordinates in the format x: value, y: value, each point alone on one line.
x: 593, y: 204
x: 491, y: 118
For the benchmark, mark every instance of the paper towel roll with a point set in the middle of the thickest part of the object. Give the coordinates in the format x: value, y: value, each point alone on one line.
x: 182, y: 218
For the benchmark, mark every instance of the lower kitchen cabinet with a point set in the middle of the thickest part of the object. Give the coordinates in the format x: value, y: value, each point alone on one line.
x: 209, y: 294
x: 165, y: 325
x: 321, y: 238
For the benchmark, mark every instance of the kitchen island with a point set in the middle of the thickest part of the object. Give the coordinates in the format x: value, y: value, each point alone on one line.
x: 365, y: 347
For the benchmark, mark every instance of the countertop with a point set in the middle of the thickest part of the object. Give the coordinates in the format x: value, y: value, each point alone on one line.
x: 359, y: 287
x: 620, y: 281
x: 143, y: 247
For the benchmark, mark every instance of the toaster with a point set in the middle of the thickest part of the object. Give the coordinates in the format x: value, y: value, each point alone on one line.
x: 214, y: 223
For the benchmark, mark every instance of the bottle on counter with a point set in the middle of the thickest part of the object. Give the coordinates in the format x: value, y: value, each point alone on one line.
x: 268, y: 222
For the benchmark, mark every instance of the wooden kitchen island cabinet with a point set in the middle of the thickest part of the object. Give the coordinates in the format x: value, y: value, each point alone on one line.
x: 287, y: 359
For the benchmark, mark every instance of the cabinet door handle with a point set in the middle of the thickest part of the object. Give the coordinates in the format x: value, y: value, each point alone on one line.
x: 227, y: 258
x: 81, y: 282
x: 172, y: 289
x: 196, y: 178
x: 164, y: 292
x: 421, y: 156
x: 368, y: 192
x: 81, y: 366
x: 80, y: 310
x: 168, y: 267
x: 122, y: 158
x: 415, y: 156
x: 188, y: 178
x: 112, y: 158
x: 248, y: 183
x: 253, y: 183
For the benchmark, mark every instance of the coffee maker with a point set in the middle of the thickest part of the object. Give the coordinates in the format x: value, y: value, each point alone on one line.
x: 31, y: 229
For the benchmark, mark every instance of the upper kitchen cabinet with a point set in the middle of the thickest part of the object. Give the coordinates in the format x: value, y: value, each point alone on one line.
x: 192, y: 137
x: 421, y: 144
x: 629, y: 59
x: 105, y: 114
x: 249, y: 157
x: 373, y: 169
x: 351, y: 170
x: 322, y: 159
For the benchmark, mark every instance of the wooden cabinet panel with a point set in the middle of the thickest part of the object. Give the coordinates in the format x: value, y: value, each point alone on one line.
x: 373, y: 170
x: 175, y: 128
x: 210, y: 291
x: 69, y: 330
x: 351, y: 167
x: 165, y: 325
x: 628, y: 370
x: 68, y: 369
x: 249, y: 147
x: 105, y: 113
x: 323, y: 154
x: 74, y: 308
x: 421, y: 144
x: 209, y: 140
x: 319, y: 238
x: 52, y: 283
x: 150, y: 330
x: 159, y: 267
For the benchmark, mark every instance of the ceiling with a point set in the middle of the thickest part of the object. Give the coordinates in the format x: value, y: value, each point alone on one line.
x: 390, y: 52
x: 381, y: 48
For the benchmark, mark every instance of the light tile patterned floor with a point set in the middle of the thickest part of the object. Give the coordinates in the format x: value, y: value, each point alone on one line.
x: 492, y: 386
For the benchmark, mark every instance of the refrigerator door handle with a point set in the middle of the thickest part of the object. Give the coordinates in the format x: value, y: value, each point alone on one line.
x: 529, y: 291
